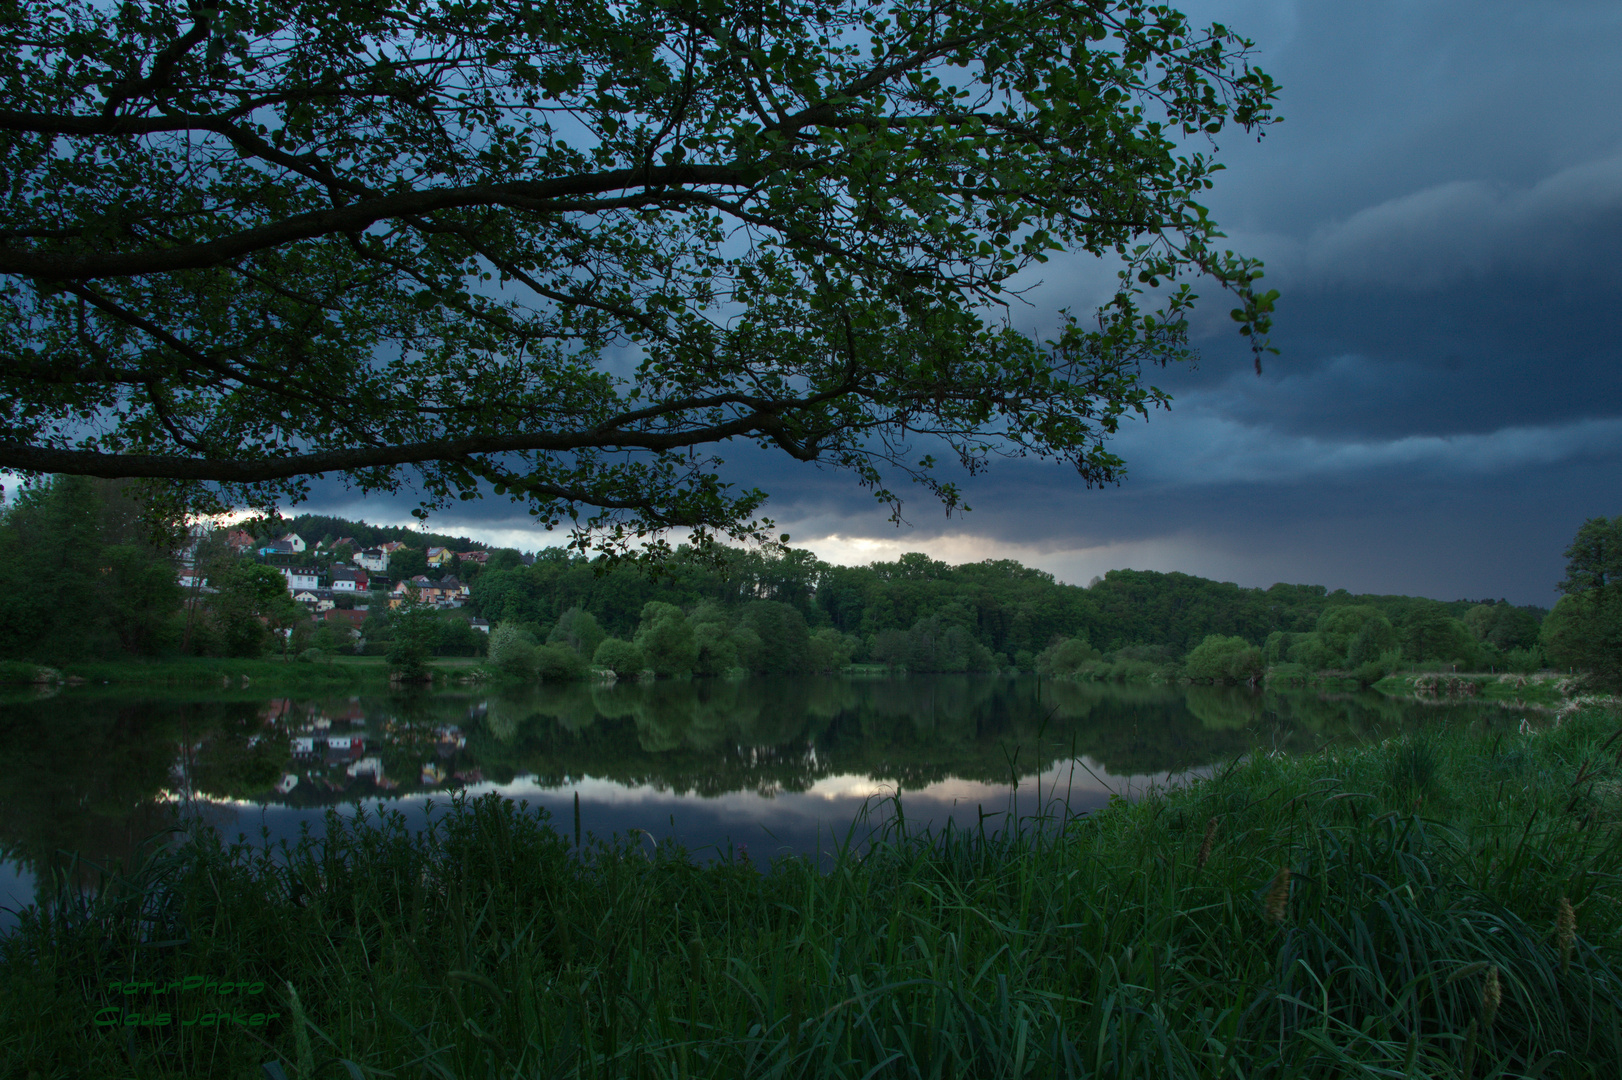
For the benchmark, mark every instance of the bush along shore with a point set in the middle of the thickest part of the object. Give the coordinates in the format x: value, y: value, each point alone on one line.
x: 1443, y: 905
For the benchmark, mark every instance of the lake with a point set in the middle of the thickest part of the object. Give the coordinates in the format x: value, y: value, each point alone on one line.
x: 764, y: 766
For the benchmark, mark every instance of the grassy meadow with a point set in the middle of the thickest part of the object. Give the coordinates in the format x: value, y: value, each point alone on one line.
x: 1443, y: 905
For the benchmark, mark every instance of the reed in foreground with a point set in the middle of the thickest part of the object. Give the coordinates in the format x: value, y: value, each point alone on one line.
x: 1440, y: 907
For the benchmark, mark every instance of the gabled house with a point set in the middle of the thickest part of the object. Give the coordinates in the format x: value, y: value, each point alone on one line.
x: 439, y: 556
x: 238, y: 540
x: 345, y: 580
x: 318, y: 600
x: 374, y: 559
x: 403, y: 590
x: 300, y: 577
x: 294, y: 542
x: 480, y: 557
x: 276, y: 547
x: 452, y: 591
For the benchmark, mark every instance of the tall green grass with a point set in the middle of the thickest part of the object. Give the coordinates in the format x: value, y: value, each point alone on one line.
x: 1442, y: 906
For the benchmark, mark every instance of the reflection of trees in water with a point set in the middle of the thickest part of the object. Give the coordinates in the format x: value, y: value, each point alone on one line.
x: 92, y: 776
x: 87, y: 773
x: 714, y: 736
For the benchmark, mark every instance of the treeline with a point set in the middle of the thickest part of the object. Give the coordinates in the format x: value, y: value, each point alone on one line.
x: 923, y: 615
x: 85, y: 576
x: 315, y: 528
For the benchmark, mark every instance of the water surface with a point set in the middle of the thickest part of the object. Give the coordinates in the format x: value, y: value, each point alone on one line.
x: 769, y: 765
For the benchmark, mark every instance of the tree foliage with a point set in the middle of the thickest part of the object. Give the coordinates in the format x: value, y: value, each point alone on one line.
x: 1587, y: 628
x: 1220, y: 659
x: 80, y: 577
x: 562, y: 250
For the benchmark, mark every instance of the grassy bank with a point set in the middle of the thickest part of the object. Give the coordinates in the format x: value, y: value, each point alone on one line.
x: 1543, y: 690
x: 266, y: 674
x: 1441, y: 906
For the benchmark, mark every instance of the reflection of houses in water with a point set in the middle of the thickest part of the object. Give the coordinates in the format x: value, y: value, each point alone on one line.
x: 372, y: 767
x: 335, y: 745
x: 344, y: 749
x: 448, y: 739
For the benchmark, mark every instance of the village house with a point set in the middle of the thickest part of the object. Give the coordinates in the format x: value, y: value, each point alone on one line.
x: 481, y: 625
x: 346, y: 580
x: 317, y: 599
x: 294, y: 542
x: 188, y: 577
x: 439, y: 556
x: 373, y: 559
x: 419, y: 586
x: 301, y: 577
x: 480, y: 557
x: 238, y: 541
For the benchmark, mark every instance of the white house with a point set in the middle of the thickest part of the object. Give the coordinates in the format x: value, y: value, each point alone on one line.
x: 367, y: 766
x: 345, y: 579
x: 300, y: 577
x: 374, y: 559
x: 481, y: 625
x: 294, y: 542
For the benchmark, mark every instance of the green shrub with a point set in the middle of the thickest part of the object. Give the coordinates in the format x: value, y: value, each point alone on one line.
x: 512, y: 651
x: 1524, y: 661
x: 1066, y: 658
x: 559, y: 663
x: 623, y: 658
x: 666, y: 640
x: 578, y: 629
x: 1220, y: 659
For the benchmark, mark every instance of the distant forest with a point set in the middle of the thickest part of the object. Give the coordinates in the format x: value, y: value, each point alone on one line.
x: 314, y: 528
x: 84, y: 579
x: 1001, y: 613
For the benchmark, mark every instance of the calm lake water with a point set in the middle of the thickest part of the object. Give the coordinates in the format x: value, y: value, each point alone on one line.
x: 769, y: 765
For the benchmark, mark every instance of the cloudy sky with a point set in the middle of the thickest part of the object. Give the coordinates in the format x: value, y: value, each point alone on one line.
x: 1440, y: 209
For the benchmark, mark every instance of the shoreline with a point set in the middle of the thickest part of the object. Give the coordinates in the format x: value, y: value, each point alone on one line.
x: 1342, y: 911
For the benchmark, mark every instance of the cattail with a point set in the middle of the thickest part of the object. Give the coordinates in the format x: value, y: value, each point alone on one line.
x: 1278, y: 895
x: 1565, y: 932
x: 1491, y: 995
x: 1205, y: 845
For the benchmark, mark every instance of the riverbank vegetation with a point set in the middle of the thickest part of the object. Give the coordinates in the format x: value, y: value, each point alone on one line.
x: 87, y: 581
x: 1439, y: 905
